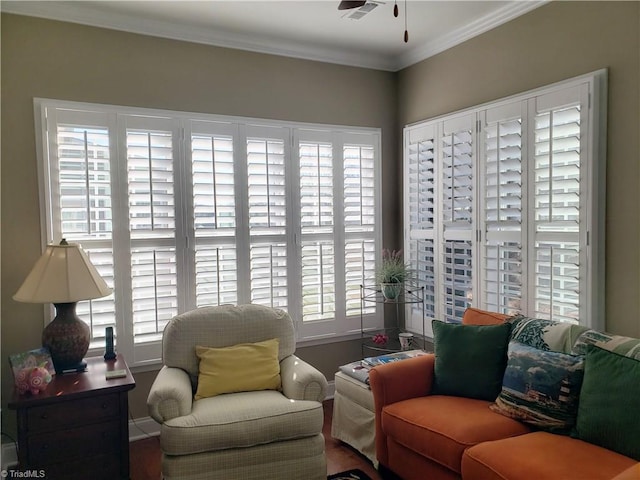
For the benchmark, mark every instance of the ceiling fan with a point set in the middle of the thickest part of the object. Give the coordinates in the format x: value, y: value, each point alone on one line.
x: 350, y: 4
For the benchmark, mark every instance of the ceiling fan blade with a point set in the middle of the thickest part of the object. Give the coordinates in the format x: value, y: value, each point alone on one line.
x: 347, y: 5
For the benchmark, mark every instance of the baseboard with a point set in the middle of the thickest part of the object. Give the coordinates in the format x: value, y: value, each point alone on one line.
x: 143, y: 427
x: 331, y: 389
x: 9, y: 456
x: 139, y: 428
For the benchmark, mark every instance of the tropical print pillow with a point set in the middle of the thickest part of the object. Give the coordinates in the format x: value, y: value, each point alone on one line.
x: 541, y: 388
x: 543, y: 334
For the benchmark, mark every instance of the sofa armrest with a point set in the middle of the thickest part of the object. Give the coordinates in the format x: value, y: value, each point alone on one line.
x: 171, y: 395
x: 301, y: 381
x: 632, y: 473
x: 395, y: 382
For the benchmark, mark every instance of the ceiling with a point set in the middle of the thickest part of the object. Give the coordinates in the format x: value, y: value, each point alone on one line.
x: 311, y: 29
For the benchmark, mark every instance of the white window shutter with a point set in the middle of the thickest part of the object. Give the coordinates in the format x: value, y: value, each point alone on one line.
x: 502, y: 221
x: 267, y: 150
x: 421, y: 190
x: 558, y: 204
x: 317, y: 223
x: 213, y: 219
x: 457, y: 200
x: 79, y: 178
x: 150, y: 145
x: 359, y: 167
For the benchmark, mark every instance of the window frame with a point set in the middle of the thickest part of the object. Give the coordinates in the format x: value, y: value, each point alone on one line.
x: 183, y: 126
x: 593, y: 88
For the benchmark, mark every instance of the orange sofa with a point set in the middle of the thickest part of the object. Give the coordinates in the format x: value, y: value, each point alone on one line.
x: 422, y: 436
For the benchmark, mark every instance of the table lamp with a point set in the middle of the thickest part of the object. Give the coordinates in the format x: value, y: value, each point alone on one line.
x: 63, y: 276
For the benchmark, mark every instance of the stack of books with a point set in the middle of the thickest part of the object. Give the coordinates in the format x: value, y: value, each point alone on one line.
x: 360, y: 369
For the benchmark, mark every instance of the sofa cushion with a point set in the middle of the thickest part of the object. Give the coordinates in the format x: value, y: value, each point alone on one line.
x: 542, y: 455
x: 237, y: 420
x: 541, y: 388
x: 441, y: 427
x: 470, y: 359
x: 475, y: 316
x: 239, y: 368
x: 608, y: 414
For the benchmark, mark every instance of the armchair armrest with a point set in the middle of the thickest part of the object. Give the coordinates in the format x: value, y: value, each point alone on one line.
x: 170, y: 395
x: 394, y: 382
x: 301, y: 381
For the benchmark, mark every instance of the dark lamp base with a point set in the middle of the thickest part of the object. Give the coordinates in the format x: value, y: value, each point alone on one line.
x: 67, y: 338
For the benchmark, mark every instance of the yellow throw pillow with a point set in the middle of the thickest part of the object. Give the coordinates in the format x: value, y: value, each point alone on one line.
x: 240, y: 368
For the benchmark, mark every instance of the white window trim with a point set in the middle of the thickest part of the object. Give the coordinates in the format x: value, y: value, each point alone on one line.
x: 592, y: 305
x: 308, y: 333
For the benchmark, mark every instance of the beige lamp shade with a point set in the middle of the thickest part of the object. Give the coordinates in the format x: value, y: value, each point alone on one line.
x: 63, y: 274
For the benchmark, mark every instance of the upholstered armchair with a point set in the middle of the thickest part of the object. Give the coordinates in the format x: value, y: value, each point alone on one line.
x: 263, y: 434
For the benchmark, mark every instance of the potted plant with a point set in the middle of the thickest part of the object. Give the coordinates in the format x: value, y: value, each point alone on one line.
x: 392, y: 274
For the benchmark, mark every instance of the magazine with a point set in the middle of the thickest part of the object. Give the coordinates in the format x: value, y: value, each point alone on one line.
x: 391, y: 357
x: 356, y: 370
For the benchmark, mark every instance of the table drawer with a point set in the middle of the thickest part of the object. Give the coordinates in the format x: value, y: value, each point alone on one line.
x: 74, y: 443
x: 71, y: 413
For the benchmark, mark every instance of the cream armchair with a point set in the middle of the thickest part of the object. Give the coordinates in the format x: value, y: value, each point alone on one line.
x: 264, y: 434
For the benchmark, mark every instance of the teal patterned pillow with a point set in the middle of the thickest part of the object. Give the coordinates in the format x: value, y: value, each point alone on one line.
x: 542, y: 334
x: 626, y: 346
x: 541, y: 388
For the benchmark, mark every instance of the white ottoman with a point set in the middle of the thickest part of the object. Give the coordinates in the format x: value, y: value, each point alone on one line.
x: 353, y: 417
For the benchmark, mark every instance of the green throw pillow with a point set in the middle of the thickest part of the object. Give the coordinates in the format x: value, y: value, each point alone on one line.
x: 470, y: 359
x: 609, y: 407
x: 541, y: 388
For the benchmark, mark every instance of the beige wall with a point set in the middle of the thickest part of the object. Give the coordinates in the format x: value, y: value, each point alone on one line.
x: 557, y: 41
x: 42, y: 58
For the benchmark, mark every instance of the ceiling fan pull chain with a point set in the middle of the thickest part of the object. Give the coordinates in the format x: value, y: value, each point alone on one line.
x: 406, y: 32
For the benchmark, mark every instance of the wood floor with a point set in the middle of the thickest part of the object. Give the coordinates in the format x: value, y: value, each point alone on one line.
x: 145, y: 454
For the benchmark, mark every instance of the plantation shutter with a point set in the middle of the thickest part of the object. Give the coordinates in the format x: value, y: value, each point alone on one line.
x: 214, y: 212
x: 267, y: 213
x: 359, y: 166
x: 457, y: 143
x: 317, y: 225
x: 151, y: 193
x: 558, y: 205
x: 180, y: 210
x: 534, y: 244
x: 502, y: 212
x: 421, y: 191
x: 80, y: 177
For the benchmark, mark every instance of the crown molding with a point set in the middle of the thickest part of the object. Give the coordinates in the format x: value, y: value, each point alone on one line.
x: 85, y: 14
x: 473, y: 29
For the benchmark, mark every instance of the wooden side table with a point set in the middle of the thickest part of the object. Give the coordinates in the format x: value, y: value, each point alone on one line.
x: 78, y: 427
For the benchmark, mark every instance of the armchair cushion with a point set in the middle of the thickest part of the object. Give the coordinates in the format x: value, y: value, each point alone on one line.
x: 239, y: 368
x: 221, y: 327
x: 240, y: 420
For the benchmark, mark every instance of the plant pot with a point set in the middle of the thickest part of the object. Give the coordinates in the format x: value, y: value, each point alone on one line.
x: 391, y: 291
